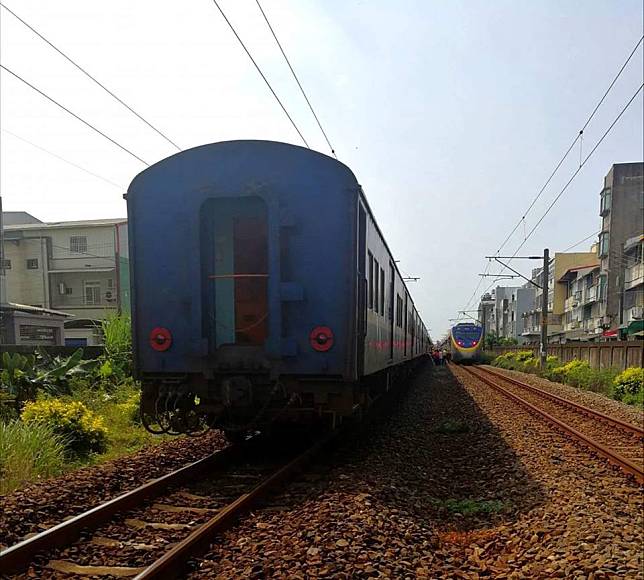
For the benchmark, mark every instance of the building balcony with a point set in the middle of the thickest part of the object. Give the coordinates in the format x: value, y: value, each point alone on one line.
x: 571, y: 303
x: 634, y: 276
x: 592, y: 294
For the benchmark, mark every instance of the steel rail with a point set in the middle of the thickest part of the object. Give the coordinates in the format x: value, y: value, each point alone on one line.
x: 634, y: 429
x: 172, y: 564
x: 18, y: 557
x: 612, y: 456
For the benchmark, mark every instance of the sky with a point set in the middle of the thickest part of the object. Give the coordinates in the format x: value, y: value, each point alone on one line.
x: 452, y: 114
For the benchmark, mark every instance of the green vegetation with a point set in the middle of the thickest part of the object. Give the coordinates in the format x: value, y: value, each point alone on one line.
x: 470, y: 507
x: 626, y: 386
x: 59, y: 413
x: 82, y: 430
x: 28, y: 452
x: 491, y: 339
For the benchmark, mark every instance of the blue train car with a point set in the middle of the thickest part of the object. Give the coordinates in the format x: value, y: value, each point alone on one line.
x: 262, y: 288
x: 466, y: 342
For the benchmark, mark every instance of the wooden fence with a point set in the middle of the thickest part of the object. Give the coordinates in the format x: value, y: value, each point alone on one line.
x: 600, y: 355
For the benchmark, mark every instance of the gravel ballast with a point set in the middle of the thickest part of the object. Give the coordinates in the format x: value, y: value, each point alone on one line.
x: 595, y: 401
x: 41, y: 505
x: 458, y: 483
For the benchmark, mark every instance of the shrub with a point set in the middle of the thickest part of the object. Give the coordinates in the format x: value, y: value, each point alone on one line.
x: 82, y: 429
x: 28, y: 451
x: 630, y: 382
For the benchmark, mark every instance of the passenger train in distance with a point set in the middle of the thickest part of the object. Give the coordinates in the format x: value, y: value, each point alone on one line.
x: 263, y: 291
x: 466, y: 342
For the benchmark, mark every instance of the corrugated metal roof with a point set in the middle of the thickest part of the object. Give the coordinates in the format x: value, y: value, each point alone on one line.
x: 71, y: 224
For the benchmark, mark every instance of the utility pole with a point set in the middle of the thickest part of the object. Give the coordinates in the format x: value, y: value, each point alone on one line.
x: 544, y: 308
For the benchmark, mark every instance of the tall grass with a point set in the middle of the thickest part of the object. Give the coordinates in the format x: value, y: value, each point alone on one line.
x: 28, y: 452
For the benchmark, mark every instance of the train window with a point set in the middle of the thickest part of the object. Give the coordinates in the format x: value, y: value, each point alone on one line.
x: 370, y: 280
x: 235, y: 264
x: 399, y: 311
x: 382, y: 291
x: 376, y: 271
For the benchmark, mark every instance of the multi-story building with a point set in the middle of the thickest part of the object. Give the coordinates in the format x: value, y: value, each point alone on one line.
x: 486, y: 313
x: 79, y: 267
x: 621, y: 209
x: 582, y: 319
x: 509, y: 304
x: 633, y: 295
x: 557, y: 294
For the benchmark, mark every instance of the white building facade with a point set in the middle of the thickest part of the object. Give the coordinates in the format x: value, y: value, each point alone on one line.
x: 79, y: 267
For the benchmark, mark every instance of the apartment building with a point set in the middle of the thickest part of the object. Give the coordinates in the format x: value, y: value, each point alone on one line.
x: 558, y: 288
x: 77, y: 267
x: 486, y: 313
x: 621, y: 210
x: 509, y: 304
x: 633, y: 296
x: 582, y: 318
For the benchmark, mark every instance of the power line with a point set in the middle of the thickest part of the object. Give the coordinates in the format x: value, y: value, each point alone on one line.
x: 594, y: 234
x: 74, y: 115
x: 259, y: 70
x: 65, y: 160
x: 565, y: 187
x: 80, y: 68
x: 579, y: 135
x: 296, y: 79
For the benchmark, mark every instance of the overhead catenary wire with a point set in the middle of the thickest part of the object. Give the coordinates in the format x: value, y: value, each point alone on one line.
x: 559, y: 164
x: 63, y: 159
x: 565, y: 187
x: 87, y: 123
x: 259, y: 70
x: 577, y: 138
x: 297, y: 80
x: 593, y: 235
x: 93, y: 78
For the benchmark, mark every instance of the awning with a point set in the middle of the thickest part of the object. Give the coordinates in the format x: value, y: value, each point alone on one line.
x: 576, y: 272
x: 635, y: 327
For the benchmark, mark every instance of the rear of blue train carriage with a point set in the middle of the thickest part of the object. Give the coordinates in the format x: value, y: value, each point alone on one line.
x: 243, y: 256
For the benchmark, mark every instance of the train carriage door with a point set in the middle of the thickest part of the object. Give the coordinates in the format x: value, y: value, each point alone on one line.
x: 235, y: 271
x: 361, y: 317
x: 392, y: 318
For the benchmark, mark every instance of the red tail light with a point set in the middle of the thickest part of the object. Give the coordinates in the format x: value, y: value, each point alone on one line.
x: 459, y: 342
x: 474, y: 342
x: 160, y: 339
x: 321, y: 338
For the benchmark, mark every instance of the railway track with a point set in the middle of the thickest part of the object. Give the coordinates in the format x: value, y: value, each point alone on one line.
x: 615, y: 440
x: 154, y: 530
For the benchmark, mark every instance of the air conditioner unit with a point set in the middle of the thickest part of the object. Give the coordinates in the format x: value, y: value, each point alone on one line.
x: 109, y: 296
x: 62, y: 288
x: 637, y: 312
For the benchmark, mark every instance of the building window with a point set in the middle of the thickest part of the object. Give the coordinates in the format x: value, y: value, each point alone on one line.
x: 32, y: 264
x: 6, y: 264
x: 603, y: 244
x: 92, y: 293
x: 605, y: 201
x: 78, y: 244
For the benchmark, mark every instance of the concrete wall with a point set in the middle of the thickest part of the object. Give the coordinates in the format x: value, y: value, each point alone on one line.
x: 617, y: 354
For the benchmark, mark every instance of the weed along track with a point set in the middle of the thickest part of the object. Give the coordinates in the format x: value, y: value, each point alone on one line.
x: 617, y: 441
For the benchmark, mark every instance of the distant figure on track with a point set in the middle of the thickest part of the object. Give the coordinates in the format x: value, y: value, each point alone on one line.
x: 435, y: 357
x: 444, y: 357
